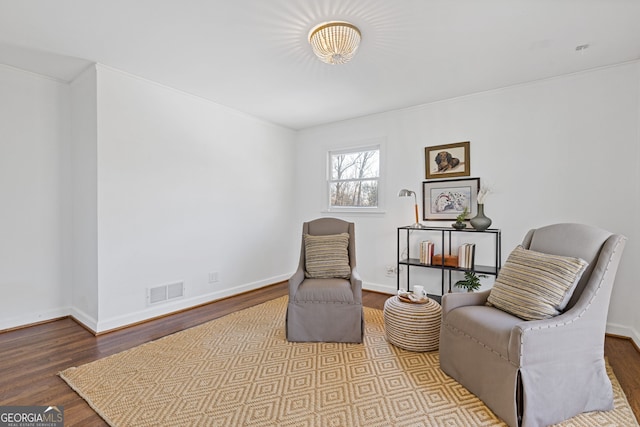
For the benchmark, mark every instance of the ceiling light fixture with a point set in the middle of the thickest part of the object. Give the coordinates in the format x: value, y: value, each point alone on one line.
x: 335, y: 42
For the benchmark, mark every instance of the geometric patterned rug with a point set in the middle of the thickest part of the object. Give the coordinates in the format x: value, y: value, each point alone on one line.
x: 239, y: 370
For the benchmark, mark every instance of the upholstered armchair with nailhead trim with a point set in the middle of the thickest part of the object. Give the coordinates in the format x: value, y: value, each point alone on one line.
x: 545, y: 363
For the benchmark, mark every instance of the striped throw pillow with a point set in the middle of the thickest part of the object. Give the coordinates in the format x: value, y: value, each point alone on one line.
x: 327, y: 256
x: 533, y: 285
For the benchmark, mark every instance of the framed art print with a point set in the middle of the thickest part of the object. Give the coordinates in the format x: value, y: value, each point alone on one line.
x: 447, y: 161
x: 446, y: 199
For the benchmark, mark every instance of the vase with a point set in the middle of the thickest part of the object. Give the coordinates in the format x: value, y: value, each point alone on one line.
x: 480, y: 222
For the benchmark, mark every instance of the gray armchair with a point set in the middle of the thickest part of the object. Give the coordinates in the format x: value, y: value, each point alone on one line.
x: 538, y: 372
x: 326, y: 309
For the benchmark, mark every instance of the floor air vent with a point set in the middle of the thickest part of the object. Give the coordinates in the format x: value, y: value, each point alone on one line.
x: 159, y: 294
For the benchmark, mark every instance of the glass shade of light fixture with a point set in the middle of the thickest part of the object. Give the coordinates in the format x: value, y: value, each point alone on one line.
x: 335, y: 42
x: 407, y: 193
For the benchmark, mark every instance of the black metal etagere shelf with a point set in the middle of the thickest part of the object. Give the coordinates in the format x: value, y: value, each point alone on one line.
x: 445, y: 239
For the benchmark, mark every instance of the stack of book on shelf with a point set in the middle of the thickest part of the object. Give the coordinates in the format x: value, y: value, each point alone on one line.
x: 466, y: 255
x: 426, y: 252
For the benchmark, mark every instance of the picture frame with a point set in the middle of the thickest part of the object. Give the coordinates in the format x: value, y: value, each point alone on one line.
x: 447, y: 161
x: 446, y: 199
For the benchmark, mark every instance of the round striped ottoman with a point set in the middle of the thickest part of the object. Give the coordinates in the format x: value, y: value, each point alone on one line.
x: 413, y: 327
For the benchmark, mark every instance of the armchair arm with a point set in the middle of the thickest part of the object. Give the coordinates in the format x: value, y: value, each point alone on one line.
x: 580, y: 330
x: 356, y: 286
x: 570, y: 336
x: 295, y: 281
x: 460, y: 299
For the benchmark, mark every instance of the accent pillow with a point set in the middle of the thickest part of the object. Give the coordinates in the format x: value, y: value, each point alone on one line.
x: 327, y: 256
x: 534, y: 285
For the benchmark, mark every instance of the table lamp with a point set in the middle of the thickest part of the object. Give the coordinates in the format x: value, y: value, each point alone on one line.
x: 406, y: 193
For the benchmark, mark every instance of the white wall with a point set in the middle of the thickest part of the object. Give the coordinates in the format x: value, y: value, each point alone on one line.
x: 186, y: 187
x: 83, y: 189
x: 113, y: 184
x: 563, y: 149
x: 34, y: 117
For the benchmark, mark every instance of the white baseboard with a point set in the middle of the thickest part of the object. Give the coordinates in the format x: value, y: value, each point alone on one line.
x: 116, y: 322
x: 33, y: 318
x: 624, y: 331
x: 87, y: 321
x: 385, y: 289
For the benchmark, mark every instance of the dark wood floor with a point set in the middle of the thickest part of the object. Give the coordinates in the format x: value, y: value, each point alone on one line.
x: 30, y: 358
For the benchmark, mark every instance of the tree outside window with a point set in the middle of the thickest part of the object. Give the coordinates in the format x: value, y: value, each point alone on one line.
x: 353, y: 178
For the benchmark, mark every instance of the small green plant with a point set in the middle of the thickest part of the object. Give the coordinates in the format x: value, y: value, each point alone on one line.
x: 471, y: 281
x: 463, y: 215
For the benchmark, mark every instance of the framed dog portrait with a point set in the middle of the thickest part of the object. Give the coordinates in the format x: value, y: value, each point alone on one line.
x: 447, y: 161
x: 446, y: 199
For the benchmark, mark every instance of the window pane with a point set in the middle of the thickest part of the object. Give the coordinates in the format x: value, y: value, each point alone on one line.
x: 355, y: 193
x: 358, y: 165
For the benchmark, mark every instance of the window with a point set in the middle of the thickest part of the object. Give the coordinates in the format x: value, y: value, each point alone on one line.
x: 354, y: 177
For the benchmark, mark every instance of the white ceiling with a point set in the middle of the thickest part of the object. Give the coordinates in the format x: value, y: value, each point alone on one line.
x: 253, y: 55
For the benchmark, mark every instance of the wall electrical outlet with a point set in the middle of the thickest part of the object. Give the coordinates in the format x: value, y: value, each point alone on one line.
x: 392, y: 271
x: 214, y: 277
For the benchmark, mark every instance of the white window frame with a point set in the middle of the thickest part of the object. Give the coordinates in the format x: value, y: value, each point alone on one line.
x: 377, y: 144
